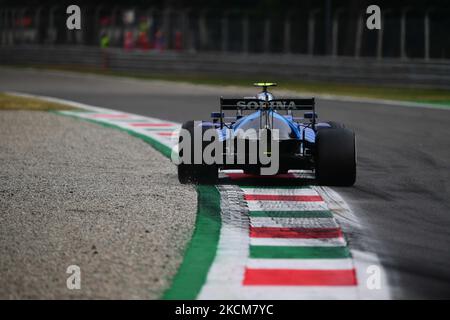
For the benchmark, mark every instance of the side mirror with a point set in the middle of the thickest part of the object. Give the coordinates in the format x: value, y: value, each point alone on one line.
x: 217, y: 115
x: 310, y: 115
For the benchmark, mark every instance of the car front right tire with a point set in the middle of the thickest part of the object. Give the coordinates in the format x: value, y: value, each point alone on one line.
x: 335, y: 157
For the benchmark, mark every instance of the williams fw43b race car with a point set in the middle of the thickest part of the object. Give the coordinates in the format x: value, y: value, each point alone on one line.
x: 264, y: 137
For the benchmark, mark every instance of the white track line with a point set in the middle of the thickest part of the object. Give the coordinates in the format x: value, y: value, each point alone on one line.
x: 261, y: 205
x: 301, y: 264
x: 281, y: 191
x: 293, y: 222
x: 362, y: 259
x: 294, y: 242
x: 227, y: 271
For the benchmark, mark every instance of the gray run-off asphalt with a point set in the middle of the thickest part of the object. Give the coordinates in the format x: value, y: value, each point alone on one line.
x: 76, y: 193
x: 402, y: 192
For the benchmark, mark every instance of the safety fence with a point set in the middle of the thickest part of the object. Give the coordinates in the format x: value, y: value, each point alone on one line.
x: 340, y: 31
x: 372, y: 71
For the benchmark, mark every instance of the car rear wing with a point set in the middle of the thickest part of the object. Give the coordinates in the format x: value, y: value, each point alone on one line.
x: 253, y: 104
x: 275, y: 104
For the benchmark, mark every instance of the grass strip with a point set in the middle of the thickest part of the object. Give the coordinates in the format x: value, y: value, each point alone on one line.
x: 11, y: 102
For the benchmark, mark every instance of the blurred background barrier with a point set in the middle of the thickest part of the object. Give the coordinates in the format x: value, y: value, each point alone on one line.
x: 386, y: 72
x: 319, y: 40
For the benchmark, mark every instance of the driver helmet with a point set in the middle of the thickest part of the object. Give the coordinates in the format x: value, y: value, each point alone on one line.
x: 264, y: 95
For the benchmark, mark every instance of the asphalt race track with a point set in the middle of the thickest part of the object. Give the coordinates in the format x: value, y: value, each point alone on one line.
x: 402, y: 191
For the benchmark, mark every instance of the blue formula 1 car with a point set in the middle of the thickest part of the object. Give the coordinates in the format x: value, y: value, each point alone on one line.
x: 326, y: 148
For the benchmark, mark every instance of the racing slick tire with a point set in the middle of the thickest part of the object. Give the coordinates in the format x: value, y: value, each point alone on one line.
x: 335, y: 157
x: 185, y: 173
x: 196, y: 173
